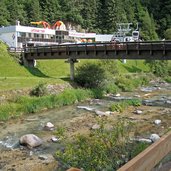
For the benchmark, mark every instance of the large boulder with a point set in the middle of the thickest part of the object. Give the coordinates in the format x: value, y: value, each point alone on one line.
x: 30, y: 140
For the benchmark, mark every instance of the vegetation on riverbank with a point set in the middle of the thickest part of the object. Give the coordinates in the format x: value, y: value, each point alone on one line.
x: 102, y: 149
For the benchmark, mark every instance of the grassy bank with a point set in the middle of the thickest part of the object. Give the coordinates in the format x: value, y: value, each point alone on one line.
x: 15, y: 76
x: 27, y: 104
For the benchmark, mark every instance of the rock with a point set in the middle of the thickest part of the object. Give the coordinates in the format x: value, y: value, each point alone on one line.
x: 138, y: 112
x: 96, y: 126
x: 157, y: 121
x: 30, y: 140
x: 154, y: 137
x: 85, y: 107
x: 49, y: 126
x: 117, y: 95
x: 108, y: 113
x: 100, y: 113
x: 145, y: 140
x: 54, y: 139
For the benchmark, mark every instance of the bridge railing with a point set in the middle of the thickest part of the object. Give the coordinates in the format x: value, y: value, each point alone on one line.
x: 152, y: 45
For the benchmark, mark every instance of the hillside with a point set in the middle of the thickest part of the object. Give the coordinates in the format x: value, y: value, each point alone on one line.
x: 15, y: 76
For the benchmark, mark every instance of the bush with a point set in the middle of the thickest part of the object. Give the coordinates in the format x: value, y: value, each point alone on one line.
x: 110, y: 87
x: 121, y: 106
x: 167, y: 34
x: 102, y: 150
x: 39, y: 90
x: 159, y: 68
x: 90, y: 75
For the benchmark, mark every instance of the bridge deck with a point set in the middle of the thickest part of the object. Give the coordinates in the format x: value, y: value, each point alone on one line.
x: 127, y: 50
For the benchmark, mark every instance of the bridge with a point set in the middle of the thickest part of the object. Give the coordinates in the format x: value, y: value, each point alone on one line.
x: 151, y: 50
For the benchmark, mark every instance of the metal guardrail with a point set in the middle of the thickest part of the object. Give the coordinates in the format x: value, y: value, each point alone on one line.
x: 131, y: 50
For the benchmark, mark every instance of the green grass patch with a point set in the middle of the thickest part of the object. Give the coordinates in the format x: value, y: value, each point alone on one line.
x: 32, y: 104
x: 121, y: 106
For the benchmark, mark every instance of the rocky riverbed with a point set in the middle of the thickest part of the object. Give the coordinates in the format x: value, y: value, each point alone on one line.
x: 80, y: 118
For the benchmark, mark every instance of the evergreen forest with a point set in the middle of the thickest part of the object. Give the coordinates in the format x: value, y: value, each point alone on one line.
x: 100, y: 16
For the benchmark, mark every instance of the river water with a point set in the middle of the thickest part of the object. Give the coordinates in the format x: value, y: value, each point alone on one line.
x: 156, y: 100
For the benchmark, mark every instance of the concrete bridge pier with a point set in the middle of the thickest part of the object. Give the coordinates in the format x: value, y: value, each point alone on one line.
x: 28, y: 63
x: 72, y: 62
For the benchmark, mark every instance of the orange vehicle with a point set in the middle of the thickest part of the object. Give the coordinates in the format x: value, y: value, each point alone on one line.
x: 44, y: 23
x: 57, y: 25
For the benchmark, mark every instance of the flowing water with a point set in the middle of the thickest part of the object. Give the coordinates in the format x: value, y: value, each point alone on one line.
x: 156, y: 101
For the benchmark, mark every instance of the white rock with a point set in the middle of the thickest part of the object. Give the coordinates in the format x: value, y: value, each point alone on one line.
x: 100, y: 113
x: 154, y: 137
x: 117, y: 95
x: 54, y: 139
x: 157, y: 121
x: 49, y: 125
x: 108, y: 113
x: 138, y: 112
x: 85, y: 107
x: 145, y: 140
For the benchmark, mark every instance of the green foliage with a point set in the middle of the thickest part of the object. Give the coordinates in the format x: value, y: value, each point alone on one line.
x: 168, y: 79
x: 90, y: 75
x: 159, y: 68
x: 39, y: 90
x: 28, y: 104
x: 93, y: 15
x: 167, y: 34
x: 121, y: 106
x: 130, y: 82
x: 97, y: 93
x: 102, y: 150
x: 110, y: 86
x: 7, y: 111
x: 60, y: 132
x: 110, y: 67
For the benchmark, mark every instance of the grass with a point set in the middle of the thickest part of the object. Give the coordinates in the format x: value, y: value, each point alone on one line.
x: 15, y: 76
x: 30, y: 104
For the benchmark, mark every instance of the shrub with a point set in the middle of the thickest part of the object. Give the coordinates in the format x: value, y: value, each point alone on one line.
x: 159, y: 68
x: 121, y: 106
x: 90, y: 75
x: 110, y: 87
x: 104, y: 149
x: 39, y: 90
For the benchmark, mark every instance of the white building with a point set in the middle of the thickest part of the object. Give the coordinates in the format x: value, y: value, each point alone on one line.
x: 19, y: 36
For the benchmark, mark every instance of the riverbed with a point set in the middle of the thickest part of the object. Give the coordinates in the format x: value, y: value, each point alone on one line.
x: 156, y: 105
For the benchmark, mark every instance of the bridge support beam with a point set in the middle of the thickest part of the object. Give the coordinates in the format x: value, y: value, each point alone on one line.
x: 72, y: 62
x: 28, y: 63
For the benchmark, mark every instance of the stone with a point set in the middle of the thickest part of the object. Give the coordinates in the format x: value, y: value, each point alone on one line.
x: 49, y: 126
x: 54, y: 139
x: 30, y: 140
x: 138, y: 112
x: 154, y: 137
x: 157, y: 121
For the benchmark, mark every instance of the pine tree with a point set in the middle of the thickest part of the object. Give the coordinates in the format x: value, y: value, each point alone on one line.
x: 16, y: 11
x: 4, y: 14
x: 51, y: 11
x: 33, y: 10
